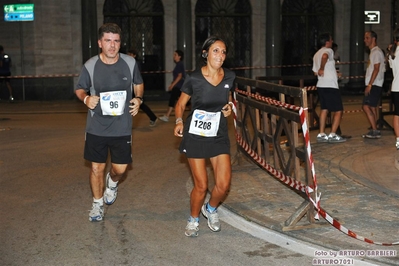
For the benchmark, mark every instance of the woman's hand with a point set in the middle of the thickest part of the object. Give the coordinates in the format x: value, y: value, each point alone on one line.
x: 179, y: 129
x: 226, y: 110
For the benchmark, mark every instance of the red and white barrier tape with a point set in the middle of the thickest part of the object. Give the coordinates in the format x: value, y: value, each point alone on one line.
x: 268, y: 100
x: 306, y: 136
x: 297, y: 184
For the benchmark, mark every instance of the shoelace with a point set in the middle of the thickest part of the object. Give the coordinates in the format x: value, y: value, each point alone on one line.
x: 214, y: 217
x: 193, y: 225
x: 96, y: 208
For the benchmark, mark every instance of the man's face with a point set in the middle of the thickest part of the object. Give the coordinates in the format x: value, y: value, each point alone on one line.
x: 110, y: 44
x: 368, y: 39
x: 329, y: 43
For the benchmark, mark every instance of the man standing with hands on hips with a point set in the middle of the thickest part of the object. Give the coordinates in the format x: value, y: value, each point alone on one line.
x: 105, y: 87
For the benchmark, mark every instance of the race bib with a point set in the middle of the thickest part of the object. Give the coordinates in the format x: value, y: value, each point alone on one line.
x: 204, y: 123
x: 113, y: 102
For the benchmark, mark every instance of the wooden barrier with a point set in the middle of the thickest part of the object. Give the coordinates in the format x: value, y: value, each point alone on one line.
x: 274, y: 133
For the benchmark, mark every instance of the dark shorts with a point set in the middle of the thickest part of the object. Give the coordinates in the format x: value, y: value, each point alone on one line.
x: 395, y: 101
x: 174, y: 96
x: 330, y: 99
x: 5, y: 75
x: 97, y: 147
x: 207, y: 148
x: 374, y: 97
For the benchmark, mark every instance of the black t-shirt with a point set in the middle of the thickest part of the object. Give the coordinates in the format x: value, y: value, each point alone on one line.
x: 206, y: 97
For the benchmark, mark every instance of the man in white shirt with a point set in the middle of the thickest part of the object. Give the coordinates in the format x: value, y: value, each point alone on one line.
x: 327, y: 89
x: 373, y: 82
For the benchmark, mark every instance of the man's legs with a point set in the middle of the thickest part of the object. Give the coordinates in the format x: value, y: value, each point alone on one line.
x: 113, y: 177
x: 9, y: 90
x: 371, y: 114
x: 97, y: 179
x: 322, y: 121
x: 396, y: 129
x: 336, y: 121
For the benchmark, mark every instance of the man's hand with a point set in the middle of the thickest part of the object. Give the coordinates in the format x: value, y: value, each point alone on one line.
x: 367, y: 90
x: 92, y: 101
x: 134, y: 106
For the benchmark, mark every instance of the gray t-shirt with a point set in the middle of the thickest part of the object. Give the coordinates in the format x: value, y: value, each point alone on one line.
x: 97, y: 77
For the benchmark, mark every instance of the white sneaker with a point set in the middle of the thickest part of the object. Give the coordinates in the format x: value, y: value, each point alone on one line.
x: 213, y: 218
x: 110, y: 193
x: 322, y: 138
x: 192, y: 228
x: 335, y: 139
x: 164, y: 118
x: 97, y: 213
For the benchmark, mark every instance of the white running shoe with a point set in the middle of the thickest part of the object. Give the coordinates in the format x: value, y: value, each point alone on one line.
x: 110, y: 193
x: 213, y: 218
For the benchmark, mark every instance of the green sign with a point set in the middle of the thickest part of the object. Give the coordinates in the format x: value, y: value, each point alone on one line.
x: 19, y: 12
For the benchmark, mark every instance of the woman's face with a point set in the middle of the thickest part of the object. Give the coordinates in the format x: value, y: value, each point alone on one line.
x: 216, y: 54
x: 176, y: 57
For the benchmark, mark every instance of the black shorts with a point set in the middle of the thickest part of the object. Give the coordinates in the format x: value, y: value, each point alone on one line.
x: 97, y: 147
x: 5, y: 75
x: 395, y: 101
x: 206, y: 148
x: 374, y: 97
x: 330, y: 99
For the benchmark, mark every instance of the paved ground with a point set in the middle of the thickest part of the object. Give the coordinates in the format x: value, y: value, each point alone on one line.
x: 358, y: 181
x: 359, y: 187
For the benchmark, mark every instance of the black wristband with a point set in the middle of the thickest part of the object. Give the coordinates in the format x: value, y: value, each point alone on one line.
x: 140, y: 98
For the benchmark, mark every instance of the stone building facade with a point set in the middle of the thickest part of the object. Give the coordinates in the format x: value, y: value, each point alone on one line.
x: 52, y: 43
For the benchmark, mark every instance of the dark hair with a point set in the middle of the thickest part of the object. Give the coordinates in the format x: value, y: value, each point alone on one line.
x: 392, y: 51
x: 132, y: 51
x: 373, y: 34
x: 323, y: 38
x: 180, y: 53
x: 109, y: 28
x: 207, y: 44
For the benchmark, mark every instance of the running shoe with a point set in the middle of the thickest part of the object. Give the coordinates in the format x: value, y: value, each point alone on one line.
x: 192, y: 228
x: 322, y: 138
x: 164, y: 118
x: 335, y: 139
x: 397, y: 145
x: 373, y: 134
x: 213, y: 218
x: 368, y: 133
x: 97, y: 213
x: 110, y: 193
x: 153, y: 123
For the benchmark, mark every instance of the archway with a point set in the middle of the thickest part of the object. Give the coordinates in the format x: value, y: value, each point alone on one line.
x: 302, y: 22
x: 230, y: 20
x: 142, y: 24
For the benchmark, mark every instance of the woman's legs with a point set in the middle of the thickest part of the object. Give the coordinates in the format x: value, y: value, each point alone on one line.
x: 200, y: 178
x: 222, y: 170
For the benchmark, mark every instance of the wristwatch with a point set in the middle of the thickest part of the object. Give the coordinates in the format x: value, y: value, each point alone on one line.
x: 140, y: 98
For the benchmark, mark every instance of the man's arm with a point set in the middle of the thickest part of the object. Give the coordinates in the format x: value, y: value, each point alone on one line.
x: 138, y: 90
x: 89, y: 101
x: 376, y: 69
x: 324, y: 59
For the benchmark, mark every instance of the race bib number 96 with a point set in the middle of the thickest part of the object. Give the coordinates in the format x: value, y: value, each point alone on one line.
x: 113, y: 102
x: 204, y: 123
